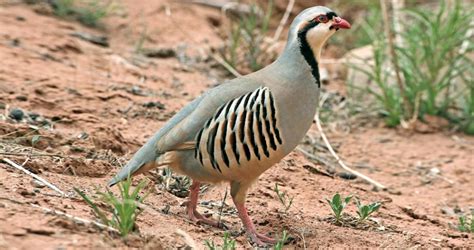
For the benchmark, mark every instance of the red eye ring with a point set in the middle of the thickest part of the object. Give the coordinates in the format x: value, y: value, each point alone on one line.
x: 321, y: 19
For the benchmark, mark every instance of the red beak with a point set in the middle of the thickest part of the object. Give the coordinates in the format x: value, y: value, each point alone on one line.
x: 340, y: 23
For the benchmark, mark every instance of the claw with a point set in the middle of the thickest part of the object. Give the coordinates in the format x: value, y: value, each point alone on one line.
x: 198, y: 218
x: 193, y: 214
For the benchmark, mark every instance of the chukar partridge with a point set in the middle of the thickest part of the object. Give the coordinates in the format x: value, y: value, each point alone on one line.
x: 237, y: 130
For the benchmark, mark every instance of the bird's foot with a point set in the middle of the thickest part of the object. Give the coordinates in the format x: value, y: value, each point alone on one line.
x: 198, y: 218
x: 262, y: 240
x: 266, y: 239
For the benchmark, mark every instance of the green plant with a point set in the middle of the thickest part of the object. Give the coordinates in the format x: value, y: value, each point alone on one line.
x: 338, y: 205
x: 434, y: 67
x: 125, y: 208
x: 63, y: 8
x: 281, y: 242
x: 464, y: 225
x: 228, y: 243
x: 246, y: 47
x: 284, y: 198
x: 364, y: 211
x: 87, y: 12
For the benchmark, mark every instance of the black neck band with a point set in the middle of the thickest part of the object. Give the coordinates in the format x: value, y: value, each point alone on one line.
x: 307, y: 52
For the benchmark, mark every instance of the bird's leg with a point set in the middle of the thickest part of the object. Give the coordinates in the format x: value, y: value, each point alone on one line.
x: 238, y: 192
x: 193, y: 214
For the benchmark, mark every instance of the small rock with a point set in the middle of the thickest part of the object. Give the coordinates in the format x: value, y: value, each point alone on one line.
x: 22, y: 98
x: 25, y: 192
x: 156, y: 104
x: 37, y: 184
x: 77, y: 149
x: 33, y: 115
x: 2, y: 105
x: 159, y: 52
x: 16, y: 114
x: 346, y: 175
x: 83, y: 135
x: 20, y: 18
x: 15, y: 42
x: 136, y: 90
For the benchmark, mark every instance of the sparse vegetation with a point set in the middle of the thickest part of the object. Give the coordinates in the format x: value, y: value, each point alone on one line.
x: 437, y: 77
x: 87, y: 12
x: 227, y: 244
x: 285, y: 200
x: 124, y: 209
x: 338, y: 205
x: 281, y: 242
x: 364, y: 211
x: 465, y: 225
x: 246, y: 44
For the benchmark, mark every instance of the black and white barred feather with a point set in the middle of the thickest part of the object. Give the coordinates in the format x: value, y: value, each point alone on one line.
x: 242, y: 130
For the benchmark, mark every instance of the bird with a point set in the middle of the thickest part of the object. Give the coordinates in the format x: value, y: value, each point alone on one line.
x: 239, y: 129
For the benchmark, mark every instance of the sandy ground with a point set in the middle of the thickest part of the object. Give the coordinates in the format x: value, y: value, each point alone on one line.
x: 96, y: 105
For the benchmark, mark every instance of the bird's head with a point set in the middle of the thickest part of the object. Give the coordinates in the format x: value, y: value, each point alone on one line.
x: 314, y: 26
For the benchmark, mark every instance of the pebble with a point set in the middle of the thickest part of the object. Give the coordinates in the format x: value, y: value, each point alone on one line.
x: 16, y: 114
x: 37, y: 184
x: 83, y: 135
x: 25, y: 192
x: 22, y: 98
x: 159, y: 52
x: 33, y: 115
x: 156, y: 104
x: 346, y: 175
x: 136, y: 90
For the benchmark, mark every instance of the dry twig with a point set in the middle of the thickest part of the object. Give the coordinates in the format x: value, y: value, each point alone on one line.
x: 393, y: 55
x: 340, y: 162
x: 283, y: 20
x: 13, y: 164
x: 226, y: 65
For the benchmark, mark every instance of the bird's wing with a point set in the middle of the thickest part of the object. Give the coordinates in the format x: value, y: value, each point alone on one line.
x: 185, y: 125
x: 245, y: 129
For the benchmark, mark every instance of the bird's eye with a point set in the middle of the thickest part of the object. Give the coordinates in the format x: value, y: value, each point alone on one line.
x: 322, y: 19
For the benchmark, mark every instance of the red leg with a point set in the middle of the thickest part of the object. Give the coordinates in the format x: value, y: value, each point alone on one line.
x: 258, y: 238
x: 193, y: 214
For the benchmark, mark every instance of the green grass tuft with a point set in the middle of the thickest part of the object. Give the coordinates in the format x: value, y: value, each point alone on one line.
x: 436, y: 72
x: 87, y: 12
x: 124, y: 209
x: 284, y: 198
x: 228, y: 243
